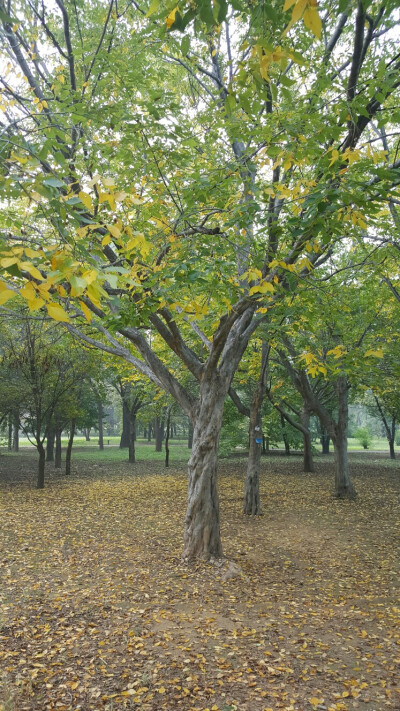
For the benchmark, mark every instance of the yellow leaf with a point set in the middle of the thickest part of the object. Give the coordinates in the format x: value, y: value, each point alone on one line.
x: 5, y: 293
x: 108, y: 182
x: 334, y: 157
x: 31, y: 269
x: 87, y: 312
x: 171, y: 17
x: 312, y: 21
x: 106, y: 240
x: 9, y: 261
x: 114, y: 230
x: 87, y: 200
x: 35, y: 304
x: 57, y: 312
x: 288, y: 4
x: 298, y: 11
x: 378, y: 353
x: 315, y: 701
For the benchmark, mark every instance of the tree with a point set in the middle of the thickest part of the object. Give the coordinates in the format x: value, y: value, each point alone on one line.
x: 195, y: 209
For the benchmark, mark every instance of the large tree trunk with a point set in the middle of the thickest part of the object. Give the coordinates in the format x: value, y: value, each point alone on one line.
x: 124, y: 442
x: 344, y: 489
x: 51, y: 436
x: 57, y: 461
x: 202, y: 537
x: 132, y: 436
x: 69, y: 447
x: 42, y: 462
x: 308, y: 462
x: 100, y: 420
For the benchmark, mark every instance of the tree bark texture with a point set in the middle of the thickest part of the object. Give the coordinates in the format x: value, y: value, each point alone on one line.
x: 51, y: 436
x: 167, y: 433
x: 100, y: 420
x: 344, y: 489
x: 57, y: 460
x: 308, y: 461
x: 10, y: 433
x: 132, y: 436
x: 16, y: 424
x: 41, y: 467
x: 124, y: 442
x: 190, y: 436
x: 159, y: 432
x: 284, y: 436
x: 69, y: 447
x: 202, y: 537
x: 325, y: 440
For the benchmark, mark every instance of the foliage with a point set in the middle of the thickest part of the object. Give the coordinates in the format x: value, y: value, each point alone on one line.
x: 363, y: 435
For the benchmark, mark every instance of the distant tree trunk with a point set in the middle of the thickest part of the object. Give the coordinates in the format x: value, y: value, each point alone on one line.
x: 167, y: 432
x: 390, y: 430
x: 100, y: 420
x: 308, y: 462
x: 51, y: 436
x: 69, y: 447
x: 325, y: 439
x: 190, y: 436
x: 159, y: 432
x: 344, y: 489
x: 132, y: 436
x: 124, y: 442
x: 251, y: 499
x: 284, y: 435
x: 42, y: 463
x: 57, y: 460
x: 87, y: 434
x: 10, y: 433
x: 16, y: 424
x: 149, y: 432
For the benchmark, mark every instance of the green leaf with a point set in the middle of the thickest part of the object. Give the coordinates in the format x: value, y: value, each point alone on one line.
x: 185, y: 45
x: 54, y: 182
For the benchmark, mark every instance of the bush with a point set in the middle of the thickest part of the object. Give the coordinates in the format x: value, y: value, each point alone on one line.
x: 364, y: 437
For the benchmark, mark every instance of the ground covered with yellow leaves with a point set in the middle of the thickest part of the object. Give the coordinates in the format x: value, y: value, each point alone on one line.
x: 98, y: 612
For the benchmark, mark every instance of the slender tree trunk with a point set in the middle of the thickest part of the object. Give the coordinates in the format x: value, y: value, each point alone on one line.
x: 202, y: 532
x: 132, y: 436
x: 344, y: 489
x: 167, y: 434
x: 51, y: 436
x: 284, y: 435
x: 57, y: 461
x: 87, y: 434
x: 308, y: 462
x: 251, y: 501
x: 16, y: 424
x: 392, y: 439
x: 190, y: 436
x: 159, y: 432
x: 390, y: 430
x: 69, y: 447
x: 42, y: 463
x: 124, y: 442
x: 325, y: 439
x: 149, y: 431
x: 100, y: 419
x: 10, y: 433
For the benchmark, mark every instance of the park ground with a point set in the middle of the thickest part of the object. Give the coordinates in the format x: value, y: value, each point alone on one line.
x: 97, y: 610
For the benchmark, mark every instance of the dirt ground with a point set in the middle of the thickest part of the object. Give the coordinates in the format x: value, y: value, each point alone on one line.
x: 98, y: 612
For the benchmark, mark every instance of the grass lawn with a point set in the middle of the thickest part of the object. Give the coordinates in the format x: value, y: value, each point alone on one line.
x: 98, y: 612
